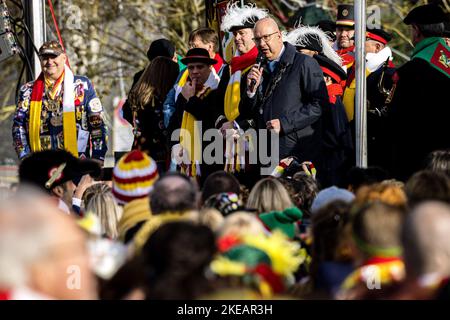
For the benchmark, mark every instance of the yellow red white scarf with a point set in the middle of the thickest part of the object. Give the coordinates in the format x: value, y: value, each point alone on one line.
x: 234, y: 150
x: 190, y: 135
x: 69, y: 122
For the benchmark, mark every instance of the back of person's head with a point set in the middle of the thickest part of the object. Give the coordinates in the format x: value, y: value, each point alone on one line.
x: 241, y: 223
x: 331, y: 194
x: 376, y: 230
x: 219, y: 182
x: 39, y: 244
x: 426, y: 249
x: 174, y: 192
x: 428, y: 185
x: 439, y: 160
x: 269, y: 195
x: 102, y: 203
x: 156, y: 81
x: 211, y: 218
x: 385, y: 192
x: 206, y: 35
x: 160, y: 48
x: 331, y: 232
x: 92, y: 190
x: 133, y: 177
x: 176, y: 257
x: 431, y: 30
x: 357, y: 177
x: 303, y: 190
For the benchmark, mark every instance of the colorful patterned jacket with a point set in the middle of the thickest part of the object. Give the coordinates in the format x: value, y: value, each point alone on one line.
x: 92, y: 133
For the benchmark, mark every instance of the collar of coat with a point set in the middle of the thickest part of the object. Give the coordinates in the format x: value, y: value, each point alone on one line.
x: 288, y: 55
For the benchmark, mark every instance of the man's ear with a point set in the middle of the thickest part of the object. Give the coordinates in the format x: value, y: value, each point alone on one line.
x: 416, y: 32
x: 58, y: 191
x: 379, y: 47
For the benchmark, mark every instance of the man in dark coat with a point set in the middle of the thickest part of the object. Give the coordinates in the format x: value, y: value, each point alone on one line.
x: 287, y: 95
x: 337, y: 136
x: 199, y: 98
x: 379, y: 83
x: 419, y: 112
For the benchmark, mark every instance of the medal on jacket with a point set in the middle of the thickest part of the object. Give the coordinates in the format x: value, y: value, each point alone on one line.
x: 56, y: 120
x: 78, y: 113
x: 52, y: 106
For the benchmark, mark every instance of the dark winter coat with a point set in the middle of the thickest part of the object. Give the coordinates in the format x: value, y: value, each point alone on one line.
x: 294, y: 93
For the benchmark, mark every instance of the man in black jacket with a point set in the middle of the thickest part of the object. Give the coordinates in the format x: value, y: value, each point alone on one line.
x: 199, y: 102
x: 419, y: 112
x: 287, y: 95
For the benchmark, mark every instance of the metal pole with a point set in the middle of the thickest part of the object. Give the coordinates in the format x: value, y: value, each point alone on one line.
x: 35, y: 20
x: 360, y: 100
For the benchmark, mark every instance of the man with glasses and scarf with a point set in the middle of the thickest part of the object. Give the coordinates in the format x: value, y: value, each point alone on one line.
x: 286, y: 95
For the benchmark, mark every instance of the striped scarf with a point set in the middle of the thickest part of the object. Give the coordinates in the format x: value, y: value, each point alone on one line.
x: 239, y: 65
x: 190, y: 135
x: 69, y: 123
x: 234, y: 157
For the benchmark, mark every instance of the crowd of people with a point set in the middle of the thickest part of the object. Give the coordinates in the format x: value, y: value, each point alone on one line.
x: 171, y: 224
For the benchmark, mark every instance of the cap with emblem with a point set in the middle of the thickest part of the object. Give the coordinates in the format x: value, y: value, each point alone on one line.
x: 426, y: 14
x: 51, y: 48
x: 50, y: 168
x: 345, y: 16
x: 378, y: 35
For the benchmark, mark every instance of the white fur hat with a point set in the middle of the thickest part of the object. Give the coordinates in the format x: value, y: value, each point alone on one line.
x: 300, y: 37
x: 238, y: 17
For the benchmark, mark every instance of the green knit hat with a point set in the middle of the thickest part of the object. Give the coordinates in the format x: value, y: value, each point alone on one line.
x: 282, y: 220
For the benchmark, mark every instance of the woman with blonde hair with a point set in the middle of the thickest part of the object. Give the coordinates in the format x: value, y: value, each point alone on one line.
x: 241, y: 223
x: 269, y: 195
x: 100, y: 201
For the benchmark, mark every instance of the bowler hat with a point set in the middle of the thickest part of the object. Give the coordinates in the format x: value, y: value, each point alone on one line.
x: 198, y: 55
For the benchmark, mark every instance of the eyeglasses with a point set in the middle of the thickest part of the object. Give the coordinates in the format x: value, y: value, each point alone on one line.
x: 266, y: 38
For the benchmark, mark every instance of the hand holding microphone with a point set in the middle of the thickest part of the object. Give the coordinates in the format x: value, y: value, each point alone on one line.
x: 255, y: 74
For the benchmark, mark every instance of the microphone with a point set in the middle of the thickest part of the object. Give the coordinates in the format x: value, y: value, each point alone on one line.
x: 260, y: 61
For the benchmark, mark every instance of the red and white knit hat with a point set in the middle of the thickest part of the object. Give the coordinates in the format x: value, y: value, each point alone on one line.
x: 134, y: 176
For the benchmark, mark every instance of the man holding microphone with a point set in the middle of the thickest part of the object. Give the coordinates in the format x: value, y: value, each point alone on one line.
x: 286, y: 95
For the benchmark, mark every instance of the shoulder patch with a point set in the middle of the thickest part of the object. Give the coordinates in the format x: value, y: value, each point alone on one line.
x: 441, y: 59
x: 95, y: 105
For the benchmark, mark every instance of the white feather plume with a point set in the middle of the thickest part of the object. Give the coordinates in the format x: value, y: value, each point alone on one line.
x: 297, y: 37
x: 238, y: 16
